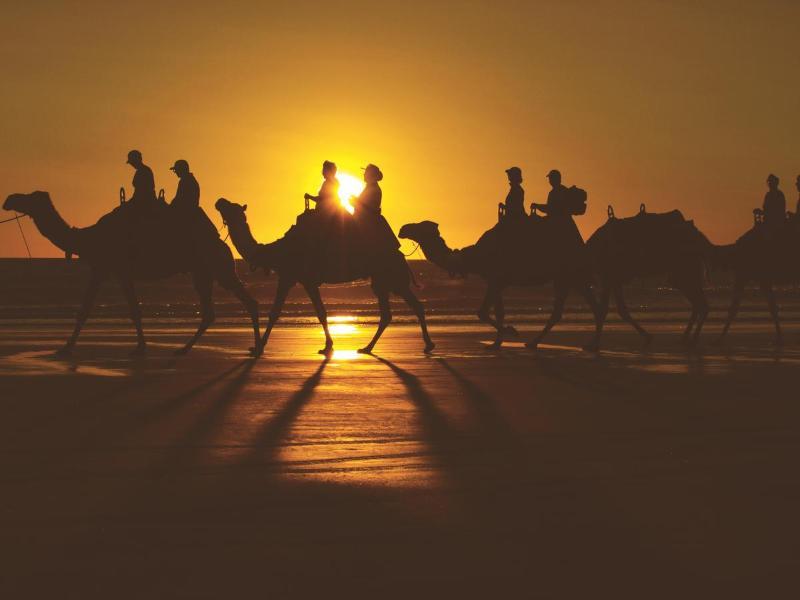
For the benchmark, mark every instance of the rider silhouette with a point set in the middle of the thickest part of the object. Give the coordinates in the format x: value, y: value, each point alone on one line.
x: 557, y: 201
x: 144, y: 186
x: 368, y: 203
x: 327, y: 199
x: 187, y: 196
x: 375, y: 234
x: 774, y: 204
x: 515, y: 200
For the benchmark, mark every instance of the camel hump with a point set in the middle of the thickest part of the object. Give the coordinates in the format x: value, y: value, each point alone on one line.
x: 646, y: 232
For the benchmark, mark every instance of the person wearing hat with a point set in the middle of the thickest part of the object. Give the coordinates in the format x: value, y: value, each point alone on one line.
x: 375, y: 233
x: 774, y: 204
x: 515, y: 200
x: 368, y: 201
x: 144, y: 185
x: 557, y: 202
x: 187, y: 196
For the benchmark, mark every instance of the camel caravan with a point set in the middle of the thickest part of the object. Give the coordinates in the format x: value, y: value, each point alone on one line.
x: 147, y: 238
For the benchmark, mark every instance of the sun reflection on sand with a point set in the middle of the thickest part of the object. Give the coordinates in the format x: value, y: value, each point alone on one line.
x: 346, y: 355
x: 343, y: 325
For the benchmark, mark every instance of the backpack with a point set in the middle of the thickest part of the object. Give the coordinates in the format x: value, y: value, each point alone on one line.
x: 575, y: 200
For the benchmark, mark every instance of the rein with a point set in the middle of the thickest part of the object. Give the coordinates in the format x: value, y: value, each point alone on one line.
x: 17, y: 218
x: 416, y: 247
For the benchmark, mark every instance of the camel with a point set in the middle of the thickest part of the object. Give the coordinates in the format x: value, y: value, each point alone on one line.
x: 109, y: 252
x: 765, y: 257
x: 289, y: 257
x: 651, y: 244
x: 509, y: 254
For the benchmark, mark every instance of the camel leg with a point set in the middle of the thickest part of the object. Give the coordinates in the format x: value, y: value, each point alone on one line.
x: 766, y: 288
x: 322, y: 315
x: 484, y: 315
x: 626, y: 316
x: 605, y: 300
x: 386, y: 318
x: 738, y: 290
x: 407, y: 295
x: 83, y: 313
x: 204, y: 285
x: 558, y: 311
x: 490, y: 301
x: 695, y: 295
x: 136, y: 315
x: 599, y: 318
x: 277, y: 307
x: 236, y: 287
x: 701, y: 305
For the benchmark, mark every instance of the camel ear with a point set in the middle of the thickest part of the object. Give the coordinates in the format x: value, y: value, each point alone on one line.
x: 244, y: 207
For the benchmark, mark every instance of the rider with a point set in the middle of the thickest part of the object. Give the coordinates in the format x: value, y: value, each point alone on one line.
x: 774, y: 204
x: 557, y: 201
x: 144, y: 185
x: 515, y: 200
x: 374, y: 230
x: 327, y: 199
x: 187, y: 196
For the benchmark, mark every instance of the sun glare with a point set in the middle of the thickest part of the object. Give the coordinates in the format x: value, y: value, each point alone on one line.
x: 349, y: 185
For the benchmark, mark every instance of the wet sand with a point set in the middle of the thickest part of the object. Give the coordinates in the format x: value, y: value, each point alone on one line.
x: 512, y: 474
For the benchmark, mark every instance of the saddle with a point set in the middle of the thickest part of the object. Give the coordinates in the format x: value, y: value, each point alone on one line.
x: 341, y: 246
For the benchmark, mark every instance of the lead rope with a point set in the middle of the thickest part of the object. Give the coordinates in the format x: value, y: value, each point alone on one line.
x: 225, y: 226
x: 416, y: 247
x: 24, y: 239
x: 21, y: 231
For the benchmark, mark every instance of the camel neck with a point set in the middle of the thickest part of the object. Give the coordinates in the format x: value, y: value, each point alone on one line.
x: 243, y: 239
x: 52, y: 226
x: 437, y: 251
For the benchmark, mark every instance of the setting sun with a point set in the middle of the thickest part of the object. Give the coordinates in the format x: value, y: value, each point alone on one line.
x: 349, y: 186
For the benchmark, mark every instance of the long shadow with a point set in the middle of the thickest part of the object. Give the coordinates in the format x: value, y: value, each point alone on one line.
x: 208, y: 425
x: 275, y: 429
x: 482, y: 403
x: 439, y: 431
x: 476, y: 464
x: 150, y: 414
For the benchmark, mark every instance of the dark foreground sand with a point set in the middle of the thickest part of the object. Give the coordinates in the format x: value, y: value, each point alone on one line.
x: 471, y: 473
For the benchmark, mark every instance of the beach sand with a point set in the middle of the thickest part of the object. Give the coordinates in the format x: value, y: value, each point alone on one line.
x: 469, y: 472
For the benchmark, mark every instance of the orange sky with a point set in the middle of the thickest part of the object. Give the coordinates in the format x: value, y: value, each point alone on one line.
x: 677, y: 104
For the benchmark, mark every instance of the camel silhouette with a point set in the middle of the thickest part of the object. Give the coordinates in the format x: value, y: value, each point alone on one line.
x: 289, y: 257
x: 495, y: 258
x: 123, y: 246
x: 651, y: 244
x: 765, y: 257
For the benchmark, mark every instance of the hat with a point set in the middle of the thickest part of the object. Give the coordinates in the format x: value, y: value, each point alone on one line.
x: 554, y: 172
x: 375, y: 169
x: 514, y: 171
x: 134, y: 154
x: 180, y: 164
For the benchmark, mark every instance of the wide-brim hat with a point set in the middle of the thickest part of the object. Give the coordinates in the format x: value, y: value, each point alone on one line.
x: 374, y: 169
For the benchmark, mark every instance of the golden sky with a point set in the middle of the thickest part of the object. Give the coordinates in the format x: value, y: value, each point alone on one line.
x: 677, y: 104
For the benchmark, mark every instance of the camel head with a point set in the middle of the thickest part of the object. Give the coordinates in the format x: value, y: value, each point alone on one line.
x: 425, y: 231
x: 28, y: 204
x: 231, y: 212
